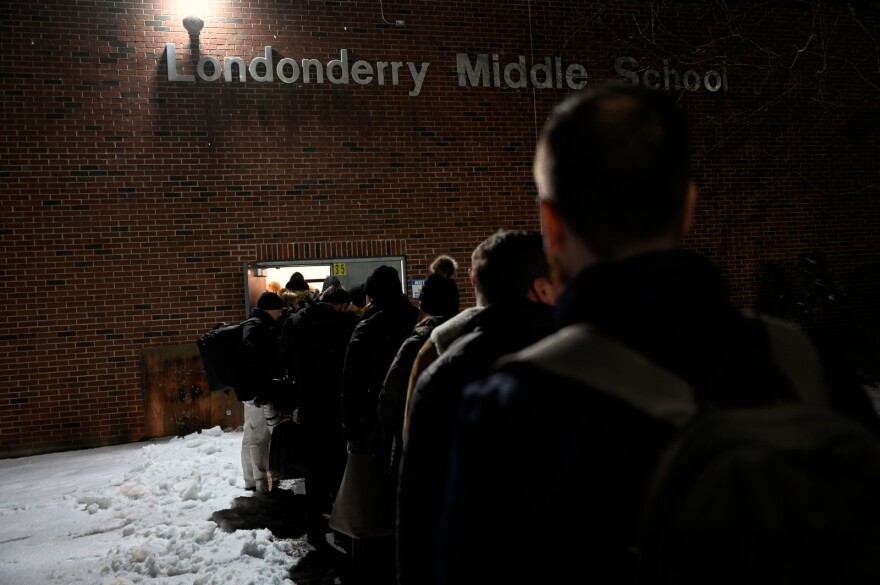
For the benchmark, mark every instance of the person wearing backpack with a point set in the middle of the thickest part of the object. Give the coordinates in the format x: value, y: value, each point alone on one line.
x: 555, y: 455
x: 260, y: 335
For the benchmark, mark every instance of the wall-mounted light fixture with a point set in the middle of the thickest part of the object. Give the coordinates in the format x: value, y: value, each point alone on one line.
x: 193, y: 25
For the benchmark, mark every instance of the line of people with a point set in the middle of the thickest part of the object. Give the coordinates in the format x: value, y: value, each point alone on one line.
x: 359, y: 378
x: 460, y: 431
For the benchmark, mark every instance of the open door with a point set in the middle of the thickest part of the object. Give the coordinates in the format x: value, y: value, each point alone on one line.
x: 350, y: 272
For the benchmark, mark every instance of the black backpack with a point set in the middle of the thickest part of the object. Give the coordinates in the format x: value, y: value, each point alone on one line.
x: 222, y: 354
x: 783, y: 493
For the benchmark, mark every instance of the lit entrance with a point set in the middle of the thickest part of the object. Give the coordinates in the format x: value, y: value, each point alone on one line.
x: 350, y: 272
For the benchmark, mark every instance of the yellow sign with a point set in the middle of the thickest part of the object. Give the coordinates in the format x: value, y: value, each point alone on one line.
x: 339, y: 269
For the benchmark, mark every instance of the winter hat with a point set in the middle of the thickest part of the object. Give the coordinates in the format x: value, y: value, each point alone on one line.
x: 335, y: 295
x: 383, y: 285
x: 439, y: 296
x: 270, y: 301
x: 297, y: 282
x: 358, y: 296
x: 330, y: 281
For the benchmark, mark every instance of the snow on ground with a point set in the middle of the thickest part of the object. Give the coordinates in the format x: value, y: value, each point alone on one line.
x: 136, y: 513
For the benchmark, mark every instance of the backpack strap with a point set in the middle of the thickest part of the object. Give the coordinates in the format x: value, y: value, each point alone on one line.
x: 582, y: 354
x: 795, y: 355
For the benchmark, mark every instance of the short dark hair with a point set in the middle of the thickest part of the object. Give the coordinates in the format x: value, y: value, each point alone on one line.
x: 507, y: 263
x: 615, y: 161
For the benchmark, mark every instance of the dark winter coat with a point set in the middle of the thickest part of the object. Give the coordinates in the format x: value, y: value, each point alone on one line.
x: 260, y: 336
x: 313, y: 345
x: 373, y: 345
x: 546, y: 459
x: 499, y: 330
x: 392, y: 398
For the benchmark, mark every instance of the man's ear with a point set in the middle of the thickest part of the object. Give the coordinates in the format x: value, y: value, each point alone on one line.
x: 554, y: 235
x: 690, y: 203
x: 543, y: 291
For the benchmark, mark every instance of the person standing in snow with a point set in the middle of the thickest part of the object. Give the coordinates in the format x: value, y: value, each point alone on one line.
x: 548, y: 473
x: 512, y: 276
x: 260, y: 334
x: 313, y: 345
x: 388, y: 320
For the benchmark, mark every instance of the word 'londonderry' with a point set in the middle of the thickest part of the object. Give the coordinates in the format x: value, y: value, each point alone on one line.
x: 484, y: 70
x: 287, y: 70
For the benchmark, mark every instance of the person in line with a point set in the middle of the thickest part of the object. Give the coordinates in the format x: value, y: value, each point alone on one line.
x: 301, y: 293
x: 260, y: 335
x: 386, y: 323
x: 512, y: 275
x: 313, y: 345
x: 358, y: 304
x: 438, y: 302
x: 330, y: 281
x: 273, y: 286
x: 291, y: 301
x: 561, y: 463
x: 439, y: 340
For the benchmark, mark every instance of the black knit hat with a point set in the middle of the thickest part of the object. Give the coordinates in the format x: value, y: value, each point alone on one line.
x: 358, y: 296
x: 439, y: 296
x: 297, y: 282
x: 270, y: 301
x: 383, y: 285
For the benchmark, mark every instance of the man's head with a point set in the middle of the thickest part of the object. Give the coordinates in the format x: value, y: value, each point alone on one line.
x: 511, y: 266
x: 439, y: 295
x: 613, y: 173
x: 297, y: 282
x: 383, y: 286
x: 358, y: 296
x: 271, y: 304
x: 336, y: 296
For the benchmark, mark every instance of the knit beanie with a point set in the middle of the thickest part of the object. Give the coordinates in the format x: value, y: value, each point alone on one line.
x: 383, y: 285
x: 297, y: 282
x: 270, y: 301
x: 358, y: 296
x: 439, y: 296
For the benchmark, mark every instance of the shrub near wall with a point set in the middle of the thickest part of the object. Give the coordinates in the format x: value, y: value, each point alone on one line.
x: 132, y: 196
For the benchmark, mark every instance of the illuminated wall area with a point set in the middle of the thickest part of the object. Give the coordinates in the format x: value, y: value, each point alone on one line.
x: 154, y: 154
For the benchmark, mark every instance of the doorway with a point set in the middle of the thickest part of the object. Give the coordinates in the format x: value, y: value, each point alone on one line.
x: 350, y: 272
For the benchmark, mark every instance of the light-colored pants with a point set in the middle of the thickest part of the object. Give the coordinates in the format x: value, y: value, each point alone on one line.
x: 255, y: 448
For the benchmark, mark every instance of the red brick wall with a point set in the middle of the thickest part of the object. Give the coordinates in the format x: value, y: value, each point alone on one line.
x: 130, y: 202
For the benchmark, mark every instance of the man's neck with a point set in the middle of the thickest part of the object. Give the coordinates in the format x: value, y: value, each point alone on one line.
x: 581, y: 256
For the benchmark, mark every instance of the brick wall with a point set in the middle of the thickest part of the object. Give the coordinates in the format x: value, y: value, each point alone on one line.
x: 131, y: 201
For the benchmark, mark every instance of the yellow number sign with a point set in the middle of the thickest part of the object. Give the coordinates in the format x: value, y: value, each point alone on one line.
x: 339, y: 269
